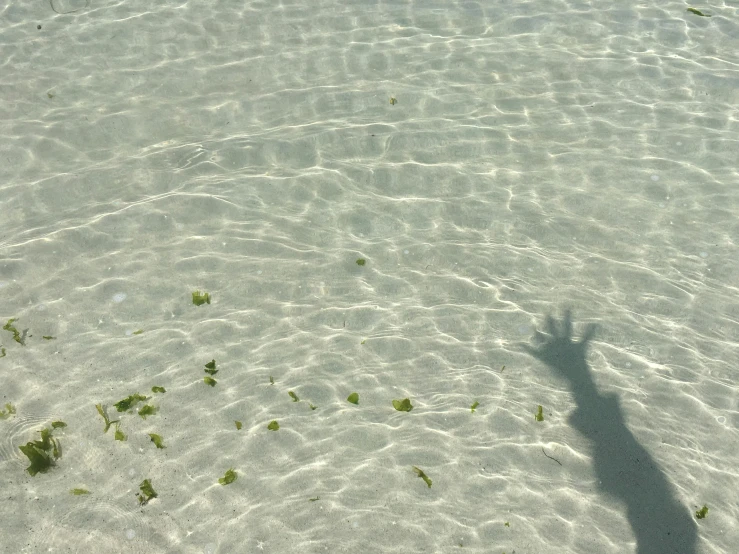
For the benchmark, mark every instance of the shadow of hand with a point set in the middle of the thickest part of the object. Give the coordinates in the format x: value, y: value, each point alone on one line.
x: 560, y: 352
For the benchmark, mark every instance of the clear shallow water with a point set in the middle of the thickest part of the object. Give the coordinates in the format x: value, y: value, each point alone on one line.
x: 540, y: 156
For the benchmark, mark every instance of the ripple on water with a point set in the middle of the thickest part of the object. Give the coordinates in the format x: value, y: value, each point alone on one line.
x: 17, y: 431
x: 102, y: 526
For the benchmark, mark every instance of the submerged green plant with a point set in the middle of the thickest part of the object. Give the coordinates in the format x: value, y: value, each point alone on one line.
x: 403, y: 405
x: 210, y: 368
x: 353, y: 398
x: 42, y: 453
x: 8, y: 411
x: 703, y: 512
x: 200, y: 298
x: 157, y: 440
x: 79, y: 492
x: 229, y: 478
x: 273, y: 426
x: 294, y: 396
x: 119, y: 435
x: 239, y: 425
x: 104, y: 415
x: 209, y: 381
x: 539, y: 414
x: 17, y: 337
x: 127, y: 403
x: 147, y: 410
x: 158, y: 389
x: 474, y: 406
x: 697, y: 12
x: 422, y: 475
x: 147, y: 492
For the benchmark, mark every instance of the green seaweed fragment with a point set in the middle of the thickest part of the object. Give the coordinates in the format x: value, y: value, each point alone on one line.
x: 293, y: 396
x: 239, y: 425
x: 273, y: 426
x: 209, y: 381
x: 703, y: 512
x: 17, y: 336
x: 147, y: 492
x: 393, y: 101
x: 229, y: 478
x: 79, y: 492
x: 314, y: 499
x: 200, y: 298
x: 41, y: 453
x: 312, y: 407
x: 697, y: 12
x: 137, y: 332
x: 422, y: 475
x: 58, y: 425
x: 539, y: 416
x: 474, y: 406
x: 403, y: 405
x: 127, y: 403
x: 2, y: 352
x: 158, y: 389
x: 48, y: 337
x: 210, y: 367
x: 147, y: 410
x: 361, y: 261
x: 271, y: 380
x: 119, y: 435
x: 8, y: 411
x: 157, y: 440
x: 353, y: 398
x: 108, y: 423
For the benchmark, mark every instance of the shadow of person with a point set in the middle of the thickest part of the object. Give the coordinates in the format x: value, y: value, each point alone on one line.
x: 623, y: 467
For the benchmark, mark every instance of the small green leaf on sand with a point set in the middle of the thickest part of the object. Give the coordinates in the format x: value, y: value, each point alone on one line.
x: 229, y: 478
x: 119, y: 435
x: 41, y: 453
x: 422, y: 475
x: 403, y: 405
x: 127, y: 403
x: 703, y: 512
x: 239, y: 425
x: 353, y: 398
x: 104, y: 415
x: 209, y: 381
x: 361, y: 261
x: 294, y: 396
x: 8, y: 411
x: 158, y: 389
x: 147, y: 492
x: 200, y: 298
x: 474, y: 406
x: 697, y: 12
x: 273, y: 426
x: 79, y: 492
x: 147, y: 410
x: 157, y: 440
x: 210, y: 368
x: 539, y: 414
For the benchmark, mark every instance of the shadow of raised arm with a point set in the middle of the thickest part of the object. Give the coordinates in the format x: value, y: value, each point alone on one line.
x: 623, y: 467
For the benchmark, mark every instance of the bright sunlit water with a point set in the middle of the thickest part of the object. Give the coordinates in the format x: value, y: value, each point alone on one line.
x: 493, y: 164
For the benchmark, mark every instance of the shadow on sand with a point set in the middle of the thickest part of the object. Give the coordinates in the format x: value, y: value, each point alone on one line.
x: 624, y: 468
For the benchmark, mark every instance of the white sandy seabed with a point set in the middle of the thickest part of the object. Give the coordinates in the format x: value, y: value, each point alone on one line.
x: 494, y: 164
